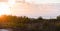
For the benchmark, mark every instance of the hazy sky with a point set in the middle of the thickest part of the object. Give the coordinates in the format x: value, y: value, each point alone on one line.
x: 43, y: 1
x: 36, y: 8
x: 32, y: 10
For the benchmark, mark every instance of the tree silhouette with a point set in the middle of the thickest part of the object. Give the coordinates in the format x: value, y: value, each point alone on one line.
x: 23, y: 23
x: 40, y: 18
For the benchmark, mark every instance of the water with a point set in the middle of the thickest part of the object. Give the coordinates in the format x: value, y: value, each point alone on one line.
x: 5, y: 30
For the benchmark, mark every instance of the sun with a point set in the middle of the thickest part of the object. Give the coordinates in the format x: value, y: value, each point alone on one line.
x: 4, y: 9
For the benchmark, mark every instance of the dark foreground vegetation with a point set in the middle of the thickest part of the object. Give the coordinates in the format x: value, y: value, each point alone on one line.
x: 24, y: 23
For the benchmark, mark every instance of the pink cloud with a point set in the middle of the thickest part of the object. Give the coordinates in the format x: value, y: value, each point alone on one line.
x: 32, y: 10
x: 3, y: 0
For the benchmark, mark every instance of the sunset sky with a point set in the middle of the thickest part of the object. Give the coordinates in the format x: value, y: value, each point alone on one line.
x: 31, y: 8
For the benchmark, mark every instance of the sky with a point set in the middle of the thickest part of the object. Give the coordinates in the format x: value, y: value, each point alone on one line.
x: 43, y: 1
x: 35, y: 8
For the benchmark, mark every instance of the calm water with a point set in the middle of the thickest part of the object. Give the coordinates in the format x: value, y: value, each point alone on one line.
x: 5, y: 30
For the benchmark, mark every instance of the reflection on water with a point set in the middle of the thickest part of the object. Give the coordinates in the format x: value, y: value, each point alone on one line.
x: 5, y: 30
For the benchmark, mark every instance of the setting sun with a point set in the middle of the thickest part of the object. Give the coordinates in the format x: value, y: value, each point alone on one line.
x: 4, y: 9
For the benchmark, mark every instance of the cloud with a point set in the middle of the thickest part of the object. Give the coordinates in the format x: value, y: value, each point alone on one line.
x: 36, y: 10
x: 3, y: 0
x: 42, y: 1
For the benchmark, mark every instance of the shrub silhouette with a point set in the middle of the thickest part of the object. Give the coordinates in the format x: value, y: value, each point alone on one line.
x: 24, y: 23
